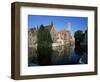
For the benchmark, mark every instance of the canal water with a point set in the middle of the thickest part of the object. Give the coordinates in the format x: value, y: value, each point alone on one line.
x: 60, y: 55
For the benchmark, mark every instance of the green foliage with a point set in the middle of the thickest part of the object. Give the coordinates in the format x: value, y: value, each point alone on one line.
x: 44, y: 37
x: 44, y: 48
x: 79, y: 36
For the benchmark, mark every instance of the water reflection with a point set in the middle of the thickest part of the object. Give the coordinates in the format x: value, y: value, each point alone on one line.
x: 60, y: 55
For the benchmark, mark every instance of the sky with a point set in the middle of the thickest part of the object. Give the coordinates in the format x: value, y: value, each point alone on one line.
x: 59, y: 22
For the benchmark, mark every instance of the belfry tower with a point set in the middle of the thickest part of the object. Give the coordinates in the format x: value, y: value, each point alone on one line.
x: 69, y: 26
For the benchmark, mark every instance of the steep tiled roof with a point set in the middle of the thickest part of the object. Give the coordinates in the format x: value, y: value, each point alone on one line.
x: 48, y: 27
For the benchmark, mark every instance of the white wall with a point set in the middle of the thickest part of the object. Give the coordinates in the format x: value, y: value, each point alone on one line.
x: 5, y: 40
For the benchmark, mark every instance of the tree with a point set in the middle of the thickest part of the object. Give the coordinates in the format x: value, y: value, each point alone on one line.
x: 40, y: 35
x: 44, y: 48
x: 44, y: 37
x: 79, y: 36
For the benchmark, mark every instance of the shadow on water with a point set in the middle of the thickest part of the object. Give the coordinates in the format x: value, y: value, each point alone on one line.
x: 44, y: 56
x: 61, y: 55
x: 81, y: 51
x: 78, y: 50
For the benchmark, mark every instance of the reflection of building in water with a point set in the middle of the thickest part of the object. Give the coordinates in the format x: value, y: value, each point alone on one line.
x: 61, y: 54
x: 59, y: 38
x: 32, y: 56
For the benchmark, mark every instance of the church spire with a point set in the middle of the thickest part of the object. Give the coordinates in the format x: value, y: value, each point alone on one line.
x: 51, y: 23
